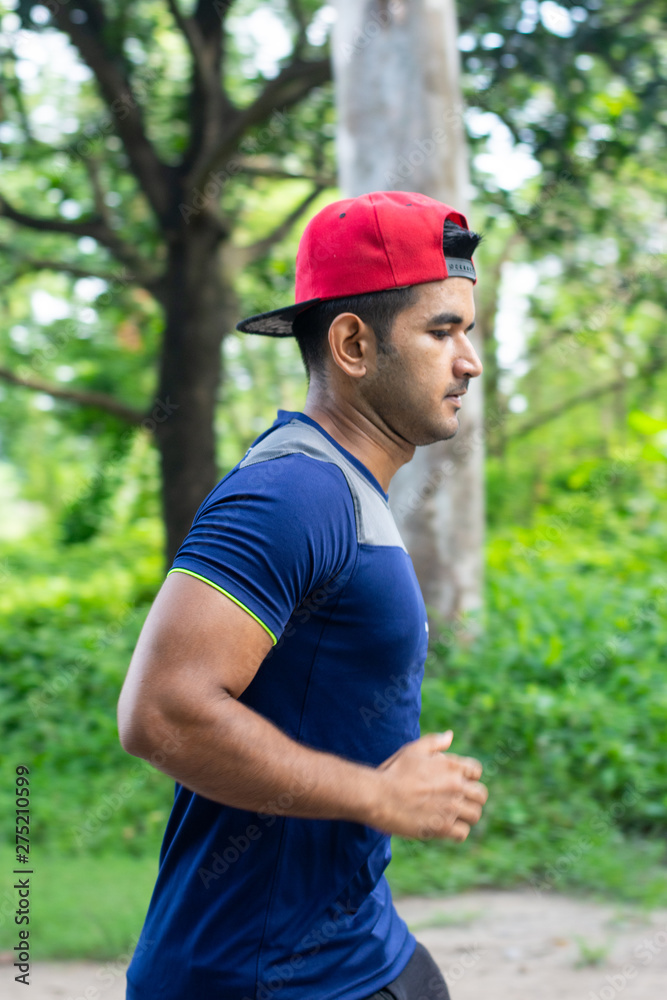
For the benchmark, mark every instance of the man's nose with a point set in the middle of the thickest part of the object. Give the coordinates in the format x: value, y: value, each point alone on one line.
x: 469, y: 363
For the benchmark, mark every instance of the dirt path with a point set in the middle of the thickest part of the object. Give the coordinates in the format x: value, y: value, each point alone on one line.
x: 490, y: 946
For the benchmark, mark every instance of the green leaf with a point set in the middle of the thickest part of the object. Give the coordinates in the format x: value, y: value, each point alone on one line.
x: 644, y: 423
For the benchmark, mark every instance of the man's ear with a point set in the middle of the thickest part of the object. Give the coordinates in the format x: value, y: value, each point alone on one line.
x: 352, y: 344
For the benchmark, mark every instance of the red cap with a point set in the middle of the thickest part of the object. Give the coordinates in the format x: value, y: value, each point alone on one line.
x: 382, y: 240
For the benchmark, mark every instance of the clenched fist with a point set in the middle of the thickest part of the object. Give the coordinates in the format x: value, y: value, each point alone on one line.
x: 428, y: 793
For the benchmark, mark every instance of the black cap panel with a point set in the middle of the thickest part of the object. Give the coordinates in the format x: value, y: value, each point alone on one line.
x: 277, y: 323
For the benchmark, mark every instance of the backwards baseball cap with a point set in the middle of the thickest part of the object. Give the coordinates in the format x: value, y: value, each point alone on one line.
x: 387, y: 239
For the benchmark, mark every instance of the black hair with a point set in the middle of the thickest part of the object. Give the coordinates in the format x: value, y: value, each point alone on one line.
x: 377, y: 309
x: 459, y: 242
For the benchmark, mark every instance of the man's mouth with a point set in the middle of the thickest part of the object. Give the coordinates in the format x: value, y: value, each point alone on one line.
x: 456, y: 396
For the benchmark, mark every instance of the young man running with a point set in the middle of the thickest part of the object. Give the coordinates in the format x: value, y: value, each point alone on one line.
x: 277, y: 678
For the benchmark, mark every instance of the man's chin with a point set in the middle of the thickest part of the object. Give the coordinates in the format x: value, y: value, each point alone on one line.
x: 435, y: 434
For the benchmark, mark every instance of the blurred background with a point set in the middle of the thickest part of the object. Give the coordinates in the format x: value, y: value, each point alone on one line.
x: 158, y: 162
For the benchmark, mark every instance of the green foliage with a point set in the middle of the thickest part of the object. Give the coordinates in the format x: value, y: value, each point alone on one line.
x: 563, y: 697
x: 559, y: 689
x: 84, y: 514
x: 562, y: 691
x: 68, y: 623
x: 590, y: 954
x: 572, y: 689
x: 89, y: 906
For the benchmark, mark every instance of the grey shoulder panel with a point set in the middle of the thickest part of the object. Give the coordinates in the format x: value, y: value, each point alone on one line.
x: 375, y: 522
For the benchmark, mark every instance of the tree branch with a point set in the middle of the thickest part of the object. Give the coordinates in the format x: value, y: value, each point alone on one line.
x: 90, y: 37
x: 540, y: 347
x: 580, y: 399
x: 189, y: 29
x: 94, y: 227
x: 88, y: 227
x: 11, y: 82
x: 246, y: 255
x: 210, y: 107
x: 291, y: 85
x: 299, y: 16
x: 101, y: 207
x: 635, y: 12
x: 260, y: 166
x: 24, y: 264
x: 95, y: 400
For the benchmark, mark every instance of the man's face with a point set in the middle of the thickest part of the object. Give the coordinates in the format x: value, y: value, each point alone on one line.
x: 429, y: 360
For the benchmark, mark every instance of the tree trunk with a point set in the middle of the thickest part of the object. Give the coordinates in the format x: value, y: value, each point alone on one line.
x: 400, y: 114
x: 199, y: 307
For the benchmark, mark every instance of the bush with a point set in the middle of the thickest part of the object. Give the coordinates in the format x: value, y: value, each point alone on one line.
x: 561, y: 694
x: 68, y: 623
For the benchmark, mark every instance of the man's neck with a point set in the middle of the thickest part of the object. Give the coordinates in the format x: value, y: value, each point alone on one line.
x: 374, y: 446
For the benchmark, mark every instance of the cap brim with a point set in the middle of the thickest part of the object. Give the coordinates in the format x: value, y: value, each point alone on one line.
x: 277, y: 323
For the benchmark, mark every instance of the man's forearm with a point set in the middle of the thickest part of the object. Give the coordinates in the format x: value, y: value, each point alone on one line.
x: 239, y: 758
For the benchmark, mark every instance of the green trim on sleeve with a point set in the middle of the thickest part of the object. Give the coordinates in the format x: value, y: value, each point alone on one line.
x: 231, y: 597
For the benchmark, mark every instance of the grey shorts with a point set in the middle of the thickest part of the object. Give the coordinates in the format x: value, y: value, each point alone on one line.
x: 421, y: 979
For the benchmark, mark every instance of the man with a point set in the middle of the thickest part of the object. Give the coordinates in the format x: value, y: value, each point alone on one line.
x: 277, y: 678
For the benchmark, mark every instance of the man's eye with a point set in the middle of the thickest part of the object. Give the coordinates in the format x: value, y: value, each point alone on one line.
x: 440, y: 333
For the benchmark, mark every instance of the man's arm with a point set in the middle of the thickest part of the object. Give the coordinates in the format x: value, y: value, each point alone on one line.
x: 197, y: 652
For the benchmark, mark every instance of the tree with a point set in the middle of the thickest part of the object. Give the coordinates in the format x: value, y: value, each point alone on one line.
x: 401, y: 126
x: 172, y: 234
x: 580, y: 90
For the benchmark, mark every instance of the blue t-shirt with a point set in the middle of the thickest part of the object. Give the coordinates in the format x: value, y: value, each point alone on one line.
x: 253, y: 906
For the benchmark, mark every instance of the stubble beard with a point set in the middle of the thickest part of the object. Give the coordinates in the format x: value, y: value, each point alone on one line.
x: 404, y: 412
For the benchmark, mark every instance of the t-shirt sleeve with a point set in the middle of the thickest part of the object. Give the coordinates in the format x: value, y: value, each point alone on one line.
x: 271, y: 533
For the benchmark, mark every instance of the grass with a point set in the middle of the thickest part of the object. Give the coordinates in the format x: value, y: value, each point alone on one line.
x: 621, y: 869
x: 81, y: 907
x: 590, y: 955
x: 440, y: 919
x: 93, y: 906
x: 563, y: 697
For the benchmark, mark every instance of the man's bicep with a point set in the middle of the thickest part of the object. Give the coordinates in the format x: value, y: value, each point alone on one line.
x: 228, y: 640
x: 197, y: 645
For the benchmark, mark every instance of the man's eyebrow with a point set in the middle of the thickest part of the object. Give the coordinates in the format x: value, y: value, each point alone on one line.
x: 442, y: 319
